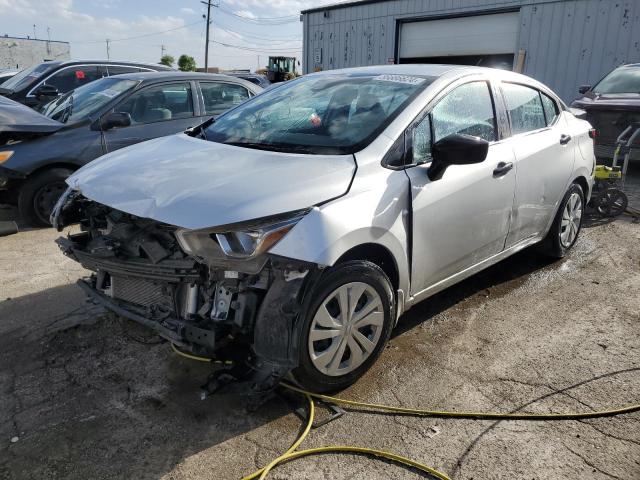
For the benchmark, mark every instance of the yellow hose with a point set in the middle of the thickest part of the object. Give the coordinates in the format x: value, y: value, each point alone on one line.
x: 197, y: 358
x: 293, y: 453
x: 475, y: 415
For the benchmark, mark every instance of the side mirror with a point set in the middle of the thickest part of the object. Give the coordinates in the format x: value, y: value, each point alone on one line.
x: 584, y: 89
x: 116, y: 120
x: 456, y: 149
x: 46, y: 92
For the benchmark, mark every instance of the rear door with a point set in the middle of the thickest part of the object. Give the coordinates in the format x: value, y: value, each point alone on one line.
x: 156, y: 111
x: 544, y: 152
x: 461, y: 218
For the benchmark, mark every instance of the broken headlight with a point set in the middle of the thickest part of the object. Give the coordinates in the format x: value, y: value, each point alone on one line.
x: 244, y: 241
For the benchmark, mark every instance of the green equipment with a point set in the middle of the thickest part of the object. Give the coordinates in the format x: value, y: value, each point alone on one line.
x: 608, y: 197
x: 281, y: 69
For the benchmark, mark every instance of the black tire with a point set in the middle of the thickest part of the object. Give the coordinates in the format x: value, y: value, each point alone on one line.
x: 613, y: 202
x: 552, y: 245
x: 306, y: 374
x: 39, y: 194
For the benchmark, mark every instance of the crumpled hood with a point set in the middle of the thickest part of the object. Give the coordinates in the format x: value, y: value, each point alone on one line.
x: 18, y: 118
x: 193, y: 183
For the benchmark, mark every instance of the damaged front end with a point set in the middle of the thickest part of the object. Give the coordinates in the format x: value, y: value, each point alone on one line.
x: 214, y: 293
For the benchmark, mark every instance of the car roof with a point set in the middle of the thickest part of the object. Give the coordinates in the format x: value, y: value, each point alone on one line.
x: 434, y: 71
x: 426, y: 70
x: 111, y: 62
x: 152, y: 77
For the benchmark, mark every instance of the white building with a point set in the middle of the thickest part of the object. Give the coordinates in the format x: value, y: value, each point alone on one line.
x: 19, y: 53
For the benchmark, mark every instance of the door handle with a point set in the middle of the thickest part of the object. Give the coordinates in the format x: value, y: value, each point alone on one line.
x: 564, y: 139
x: 502, y: 168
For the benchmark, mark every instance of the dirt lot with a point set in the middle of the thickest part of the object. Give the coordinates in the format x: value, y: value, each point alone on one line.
x: 85, y: 395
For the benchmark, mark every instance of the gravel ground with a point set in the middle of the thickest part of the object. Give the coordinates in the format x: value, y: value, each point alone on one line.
x: 86, y: 395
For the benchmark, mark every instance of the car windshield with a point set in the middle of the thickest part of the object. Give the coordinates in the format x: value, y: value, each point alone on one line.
x: 78, y: 104
x: 26, y: 77
x: 318, y: 114
x: 621, y: 80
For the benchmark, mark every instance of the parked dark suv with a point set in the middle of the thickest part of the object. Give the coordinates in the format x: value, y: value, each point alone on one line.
x: 38, y: 85
x: 39, y: 151
x: 612, y: 105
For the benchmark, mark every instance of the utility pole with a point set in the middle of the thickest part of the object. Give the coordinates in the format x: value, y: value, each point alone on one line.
x: 206, y: 46
x: 108, y: 48
x: 48, y: 41
x: 34, y: 31
x: 162, y: 50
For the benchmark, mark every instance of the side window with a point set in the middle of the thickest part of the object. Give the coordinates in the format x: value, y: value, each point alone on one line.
x: 118, y: 70
x: 71, y: 78
x: 468, y: 109
x: 219, y: 97
x: 159, y: 103
x: 550, y: 108
x: 524, y: 107
x: 421, y: 141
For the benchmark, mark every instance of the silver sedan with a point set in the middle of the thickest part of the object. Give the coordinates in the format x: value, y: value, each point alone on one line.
x: 294, y: 231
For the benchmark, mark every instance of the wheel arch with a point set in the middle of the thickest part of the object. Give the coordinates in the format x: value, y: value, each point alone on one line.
x: 378, y: 255
x: 584, y: 185
x: 61, y: 164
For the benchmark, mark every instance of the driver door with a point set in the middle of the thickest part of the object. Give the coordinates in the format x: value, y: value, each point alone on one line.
x: 463, y: 217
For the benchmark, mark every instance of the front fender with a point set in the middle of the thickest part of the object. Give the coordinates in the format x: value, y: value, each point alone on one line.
x: 375, y: 211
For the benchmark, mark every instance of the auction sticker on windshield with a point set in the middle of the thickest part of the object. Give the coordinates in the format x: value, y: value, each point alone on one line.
x: 400, y: 79
x: 109, y: 93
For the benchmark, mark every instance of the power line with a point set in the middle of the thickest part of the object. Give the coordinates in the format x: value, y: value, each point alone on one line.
x: 139, y: 36
x: 272, y: 41
x: 261, y: 20
x: 258, y: 37
x: 257, y: 49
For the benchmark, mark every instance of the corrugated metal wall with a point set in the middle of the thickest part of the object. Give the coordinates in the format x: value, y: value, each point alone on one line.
x: 567, y: 42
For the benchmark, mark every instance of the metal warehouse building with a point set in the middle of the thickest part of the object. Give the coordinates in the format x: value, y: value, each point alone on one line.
x: 563, y: 43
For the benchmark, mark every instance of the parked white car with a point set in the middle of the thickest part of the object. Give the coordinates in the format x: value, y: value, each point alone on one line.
x: 293, y: 231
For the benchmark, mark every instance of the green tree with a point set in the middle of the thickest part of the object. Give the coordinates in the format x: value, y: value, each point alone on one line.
x: 187, y: 63
x: 167, y: 60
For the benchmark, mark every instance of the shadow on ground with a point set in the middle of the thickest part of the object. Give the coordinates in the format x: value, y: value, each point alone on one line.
x: 93, y: 396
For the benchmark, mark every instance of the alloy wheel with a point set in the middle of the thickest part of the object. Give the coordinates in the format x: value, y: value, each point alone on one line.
x: 571, y: 219
x: 346, y: 329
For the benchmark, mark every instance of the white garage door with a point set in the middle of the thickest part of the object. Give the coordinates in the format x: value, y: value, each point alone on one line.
x: 477, y: 35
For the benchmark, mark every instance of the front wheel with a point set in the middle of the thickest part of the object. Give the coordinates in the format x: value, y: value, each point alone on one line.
x: 345, y: 328
x: 566, y: 225
x: 39, y: 194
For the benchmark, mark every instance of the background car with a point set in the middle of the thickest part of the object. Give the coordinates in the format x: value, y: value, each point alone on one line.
x: 42, y: 83
x: 314, y: 214
x: 611, y: 106
x: 6, y: 75
x: 41, y: 151
x: 256, y: 78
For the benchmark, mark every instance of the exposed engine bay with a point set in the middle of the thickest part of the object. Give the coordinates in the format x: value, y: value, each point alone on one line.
x: 212, y: 305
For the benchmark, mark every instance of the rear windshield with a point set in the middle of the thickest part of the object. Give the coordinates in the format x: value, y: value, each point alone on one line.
x: 621, y: 80
x: 318, y: 114
x: 26, y: 77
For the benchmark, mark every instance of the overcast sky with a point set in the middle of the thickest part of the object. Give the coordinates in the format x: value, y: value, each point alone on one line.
x: 259, y: 28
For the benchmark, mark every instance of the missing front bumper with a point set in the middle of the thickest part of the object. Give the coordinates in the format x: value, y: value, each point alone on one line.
x: 177, y: 331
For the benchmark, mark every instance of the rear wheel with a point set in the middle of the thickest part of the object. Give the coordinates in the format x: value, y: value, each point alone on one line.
x: 39, y: 195
x: 566, y: 225
x: 346, y: 326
